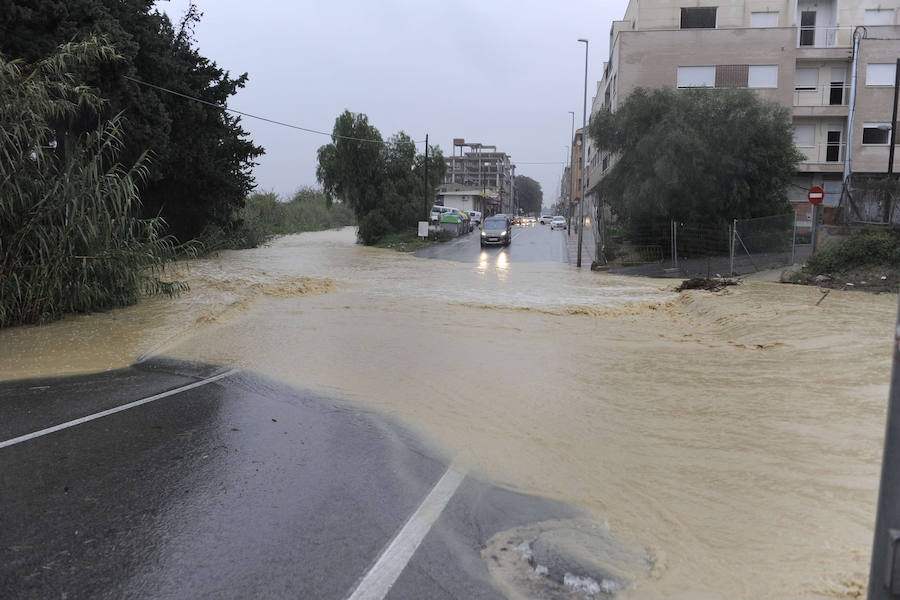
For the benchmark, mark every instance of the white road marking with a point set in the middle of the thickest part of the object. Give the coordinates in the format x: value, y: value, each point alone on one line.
x: 384, y: 573
x: 61, y: 426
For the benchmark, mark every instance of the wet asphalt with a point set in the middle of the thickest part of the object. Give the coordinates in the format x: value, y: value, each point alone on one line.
x: 240, y: 488
x: 530, y: 243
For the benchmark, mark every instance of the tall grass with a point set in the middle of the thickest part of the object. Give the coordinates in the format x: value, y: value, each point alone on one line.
x: 69, y: 238
x: 265, y: 215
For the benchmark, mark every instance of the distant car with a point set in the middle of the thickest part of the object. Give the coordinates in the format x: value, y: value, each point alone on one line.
x: 546, y: 219
x: 516, y: 220
x: 532, y: 220
x: 496, y: 230
x: 558, y: 223
x: 475, y: 215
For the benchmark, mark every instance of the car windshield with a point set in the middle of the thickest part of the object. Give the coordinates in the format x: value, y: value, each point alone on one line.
x: 495, y: 224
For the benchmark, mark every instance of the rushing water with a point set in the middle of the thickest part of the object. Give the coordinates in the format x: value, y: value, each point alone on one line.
x: 737, y: 436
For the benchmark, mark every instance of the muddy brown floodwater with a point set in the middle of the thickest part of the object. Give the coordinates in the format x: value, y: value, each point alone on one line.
x: 737, y: 436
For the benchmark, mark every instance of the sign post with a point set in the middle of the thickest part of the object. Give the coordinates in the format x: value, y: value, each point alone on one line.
x: 815, y: 196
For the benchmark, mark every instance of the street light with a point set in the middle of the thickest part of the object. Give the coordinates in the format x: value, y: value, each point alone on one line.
x: 570, y: 185
x: 583, y: 154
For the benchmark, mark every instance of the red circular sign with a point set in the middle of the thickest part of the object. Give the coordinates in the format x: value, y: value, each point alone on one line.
x: 816, y: 194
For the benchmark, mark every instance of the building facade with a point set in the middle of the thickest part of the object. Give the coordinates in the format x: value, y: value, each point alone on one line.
x: 798, y: 53
x: 482, y: 176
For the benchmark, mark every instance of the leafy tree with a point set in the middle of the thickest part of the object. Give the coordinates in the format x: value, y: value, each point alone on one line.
x: 199, y: 172
x: 529, y: 194
x: 70, y: 239
x: 699, y: 156
x: 382, y: 181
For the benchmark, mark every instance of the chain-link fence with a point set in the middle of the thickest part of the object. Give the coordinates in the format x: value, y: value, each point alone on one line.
x: 870, y: 199
x: 768, y: 243
x: 688, y: 250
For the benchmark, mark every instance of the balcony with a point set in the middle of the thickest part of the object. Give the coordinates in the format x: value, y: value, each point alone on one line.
x: 823, y: 156
x: 818, y: 38
x: 827, y: 100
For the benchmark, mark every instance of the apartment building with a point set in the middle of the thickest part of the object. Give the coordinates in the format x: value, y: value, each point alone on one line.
x: 798, y: 53
x: 481, y: 174
x: 574, y: 174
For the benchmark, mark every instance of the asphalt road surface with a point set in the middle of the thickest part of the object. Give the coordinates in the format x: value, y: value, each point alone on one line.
x: 530, y: 243
x: 173, y: 480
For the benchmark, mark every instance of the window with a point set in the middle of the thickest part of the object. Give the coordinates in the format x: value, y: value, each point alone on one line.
x: 763, y: 76
x: 731, y: 75
x: 698, y: 18
x: 764, y: 19
x: 696, y: 77
x: 880, y: 73
x: 807, y: 78
x: 804, y: 136
x: 807, y: 28
x: 876, y: 133
x: 879, y: 16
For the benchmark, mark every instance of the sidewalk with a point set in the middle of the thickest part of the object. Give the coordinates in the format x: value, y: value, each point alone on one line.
x: 587, y: 247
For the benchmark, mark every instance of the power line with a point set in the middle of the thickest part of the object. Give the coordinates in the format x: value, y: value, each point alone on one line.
x: 252, y: 116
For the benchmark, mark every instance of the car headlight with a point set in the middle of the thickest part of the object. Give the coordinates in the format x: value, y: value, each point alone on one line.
x: 483, y: 234
x: 502, y: 233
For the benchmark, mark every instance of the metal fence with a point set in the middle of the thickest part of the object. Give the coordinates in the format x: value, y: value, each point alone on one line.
x: 689, y: 250
x: 871, y: 199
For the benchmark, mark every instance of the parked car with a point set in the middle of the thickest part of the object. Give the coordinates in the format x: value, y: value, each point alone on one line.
x: 558, y: 223
x: 496, y: 230
x: 475, y: 215
x: 546, y: 219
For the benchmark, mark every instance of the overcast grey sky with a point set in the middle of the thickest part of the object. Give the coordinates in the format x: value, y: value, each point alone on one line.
x: 502, y: 72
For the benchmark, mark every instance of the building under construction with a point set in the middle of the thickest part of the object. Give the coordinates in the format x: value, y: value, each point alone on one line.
x: 481, y: 174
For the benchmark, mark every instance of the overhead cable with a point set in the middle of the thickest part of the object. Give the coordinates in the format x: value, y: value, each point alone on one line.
x: 252, y: 116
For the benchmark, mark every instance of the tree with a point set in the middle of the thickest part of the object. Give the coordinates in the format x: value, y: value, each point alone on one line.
x: 699, y: 156
x: 70, y: 236
x: 200, y: 160
x: 528, y: 194
x: 382, y: 181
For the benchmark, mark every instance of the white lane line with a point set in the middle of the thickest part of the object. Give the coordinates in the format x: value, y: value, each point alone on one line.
x: 384, y: 573
x: 61, y: 426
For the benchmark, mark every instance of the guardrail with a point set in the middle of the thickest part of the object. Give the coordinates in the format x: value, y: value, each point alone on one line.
x: 824, y: 37
x: 834, y: 94
x: 823, y: 152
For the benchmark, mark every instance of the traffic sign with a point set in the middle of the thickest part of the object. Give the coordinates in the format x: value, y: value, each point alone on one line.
x: 816, y: 194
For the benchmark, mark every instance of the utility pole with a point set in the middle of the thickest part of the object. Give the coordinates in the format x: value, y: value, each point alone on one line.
x: 884, y: 574
x: 427, y: 192
x: 894, y: 119
x: 884, y: 569
x: 583, y: 155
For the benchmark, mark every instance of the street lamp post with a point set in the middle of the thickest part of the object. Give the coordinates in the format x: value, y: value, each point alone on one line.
x: 570, y: 185
x: 583, y: 154
x: 894, y: 119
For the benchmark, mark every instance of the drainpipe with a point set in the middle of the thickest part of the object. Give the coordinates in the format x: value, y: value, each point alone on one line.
x: 848, y: 154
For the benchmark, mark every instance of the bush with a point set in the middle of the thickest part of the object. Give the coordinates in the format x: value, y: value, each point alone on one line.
x: 869, y: 247
x: 70, y: 237
x: 373, y: 227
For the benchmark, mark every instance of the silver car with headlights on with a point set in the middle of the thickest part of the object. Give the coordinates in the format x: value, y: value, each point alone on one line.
x: 496, y: 231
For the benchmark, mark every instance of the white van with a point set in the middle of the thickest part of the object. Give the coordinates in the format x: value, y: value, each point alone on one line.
x: 438, y: 211
x: 475, y: 215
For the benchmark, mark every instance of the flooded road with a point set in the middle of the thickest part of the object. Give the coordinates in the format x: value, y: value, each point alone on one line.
x: 736, y: 436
